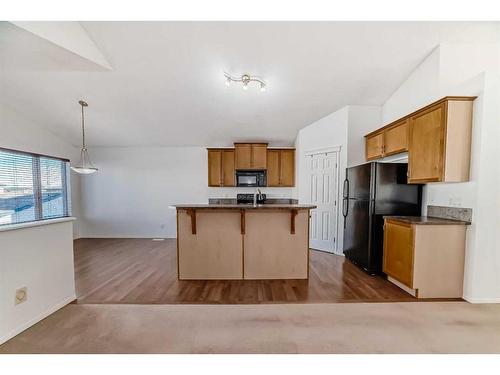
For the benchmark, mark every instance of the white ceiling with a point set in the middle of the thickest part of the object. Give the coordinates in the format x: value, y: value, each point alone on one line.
x: 167, y: 86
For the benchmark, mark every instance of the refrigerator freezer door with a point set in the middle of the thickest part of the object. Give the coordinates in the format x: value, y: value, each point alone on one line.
x: 393, y: 196
x: 359, y: 178
x: 357, y: 232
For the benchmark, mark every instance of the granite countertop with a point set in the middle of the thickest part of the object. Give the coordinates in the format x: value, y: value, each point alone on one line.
x: 427, y: 220
x: 247, y: 206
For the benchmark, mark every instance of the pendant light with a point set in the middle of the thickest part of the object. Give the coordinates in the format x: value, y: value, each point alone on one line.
x: 85, y: 165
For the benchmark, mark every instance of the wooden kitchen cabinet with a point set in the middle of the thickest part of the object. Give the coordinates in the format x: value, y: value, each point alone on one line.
x: 398, y: 252
x: 250, y: 156
x: 221, y: 170
x: 396, y: 138
x: 437, y: 138
x: 426, y: 260
x: 439, y: 142
x: 389, y: 140
x: 374, y: 147
x: 281, y: 167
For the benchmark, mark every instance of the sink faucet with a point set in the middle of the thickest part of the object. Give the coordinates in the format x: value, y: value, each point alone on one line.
x: 255, y: 196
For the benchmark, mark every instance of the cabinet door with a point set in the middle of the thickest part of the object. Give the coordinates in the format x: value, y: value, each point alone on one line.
x: 426, y: 146
x: 259, y: 156
x: 398, y: 252
x: 273, y: 167
x: 243, y: 156
x: 374, y: 147
x: 396, y: 138
x: 287, y: 168
x: 214, y: 168
x: 228, y: 178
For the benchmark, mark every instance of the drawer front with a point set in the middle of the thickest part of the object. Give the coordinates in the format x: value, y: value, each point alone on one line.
x: 398, y: 252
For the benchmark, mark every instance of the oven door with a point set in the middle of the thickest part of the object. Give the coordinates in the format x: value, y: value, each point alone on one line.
x: 246, y: 179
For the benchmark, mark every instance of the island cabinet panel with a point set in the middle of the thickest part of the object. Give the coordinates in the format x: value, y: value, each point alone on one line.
x: 251, y: 156
x: 398, y: 252
x: 271, y: 251
x: 374, y: 146
x: 215, y: 252
x: 427, y: 145
x: 396, y: 138
x: 221, y: 170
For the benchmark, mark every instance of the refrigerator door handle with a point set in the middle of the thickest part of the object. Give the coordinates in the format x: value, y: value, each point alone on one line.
x: 345, y: 207
x: 345, y: 188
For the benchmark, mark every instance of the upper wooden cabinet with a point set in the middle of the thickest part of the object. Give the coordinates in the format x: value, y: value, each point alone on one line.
x: 396, y: 138
x: 221, y: 167
x: 250, y: 155
x: 375, y: 146
x: 439, y: 142
x: 281, y: 167
x: 387, y: 141
x: 437, y: 138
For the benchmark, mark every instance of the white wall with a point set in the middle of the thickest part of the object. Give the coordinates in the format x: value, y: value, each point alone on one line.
x: 454, y: 69
x: 131, y: 194
x: 41, y: 259
x: 362, y: 120
x: 19, y: 133
x: 329, y: 131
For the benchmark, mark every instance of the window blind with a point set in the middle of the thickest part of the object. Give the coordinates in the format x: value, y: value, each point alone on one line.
x: 32, y: 187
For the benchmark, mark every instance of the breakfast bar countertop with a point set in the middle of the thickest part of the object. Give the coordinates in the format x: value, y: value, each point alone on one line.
x: 246, y: 206
x: 427, y: 220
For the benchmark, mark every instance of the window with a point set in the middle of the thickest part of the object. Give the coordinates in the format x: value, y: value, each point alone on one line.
x: 32, y: 187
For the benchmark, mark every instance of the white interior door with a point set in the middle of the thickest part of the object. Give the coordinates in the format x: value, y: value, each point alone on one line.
x: 324, y: 194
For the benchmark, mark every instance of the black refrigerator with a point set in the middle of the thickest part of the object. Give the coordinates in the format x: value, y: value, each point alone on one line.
x: 371, y: 191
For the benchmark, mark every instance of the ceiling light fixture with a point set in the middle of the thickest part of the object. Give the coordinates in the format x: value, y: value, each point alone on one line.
x: 85, y: 165
x: 245, y: 79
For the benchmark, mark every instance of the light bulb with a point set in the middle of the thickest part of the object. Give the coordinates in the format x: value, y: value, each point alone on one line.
x: 228, y: 81
x: 262, y: 87
x: 245, y: 85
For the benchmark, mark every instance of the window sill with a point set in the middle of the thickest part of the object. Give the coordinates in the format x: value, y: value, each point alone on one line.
x: 7, y: 227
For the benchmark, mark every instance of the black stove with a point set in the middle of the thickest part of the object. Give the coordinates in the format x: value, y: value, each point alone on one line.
x: 248, y: 198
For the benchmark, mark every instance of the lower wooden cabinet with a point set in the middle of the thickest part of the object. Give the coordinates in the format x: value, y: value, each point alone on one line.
x: 398, y: 252
x: 425, y: 259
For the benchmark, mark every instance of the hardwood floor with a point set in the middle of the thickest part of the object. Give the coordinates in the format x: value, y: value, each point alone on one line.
x: 142, y: 271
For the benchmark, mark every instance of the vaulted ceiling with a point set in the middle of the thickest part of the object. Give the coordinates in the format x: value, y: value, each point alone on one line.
x: 166, y: 85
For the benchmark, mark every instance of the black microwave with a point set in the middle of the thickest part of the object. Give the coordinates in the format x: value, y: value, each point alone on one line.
x: 251, y: 178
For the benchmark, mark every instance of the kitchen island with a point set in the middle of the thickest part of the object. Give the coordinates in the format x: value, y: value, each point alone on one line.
x: 242, y: 241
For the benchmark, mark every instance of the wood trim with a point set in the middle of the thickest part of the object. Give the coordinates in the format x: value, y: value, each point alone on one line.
x: 446, y: 98
x: 192, y: 213
x: 242, y: 221
x: 293, y: 213
x: 177, y: 240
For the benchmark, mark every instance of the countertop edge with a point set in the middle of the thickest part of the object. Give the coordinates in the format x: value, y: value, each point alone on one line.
x: 243, y: 207
x: 426, y: 220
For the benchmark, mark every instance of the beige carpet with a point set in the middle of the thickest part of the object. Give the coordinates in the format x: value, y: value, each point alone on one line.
x: 435, y: 327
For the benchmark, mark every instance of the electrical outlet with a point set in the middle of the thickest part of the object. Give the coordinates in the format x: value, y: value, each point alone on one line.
x: 21, y: 295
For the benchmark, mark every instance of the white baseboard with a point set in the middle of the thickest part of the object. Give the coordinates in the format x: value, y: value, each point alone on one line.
x: 481, y: 300
x: 16, y: 331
